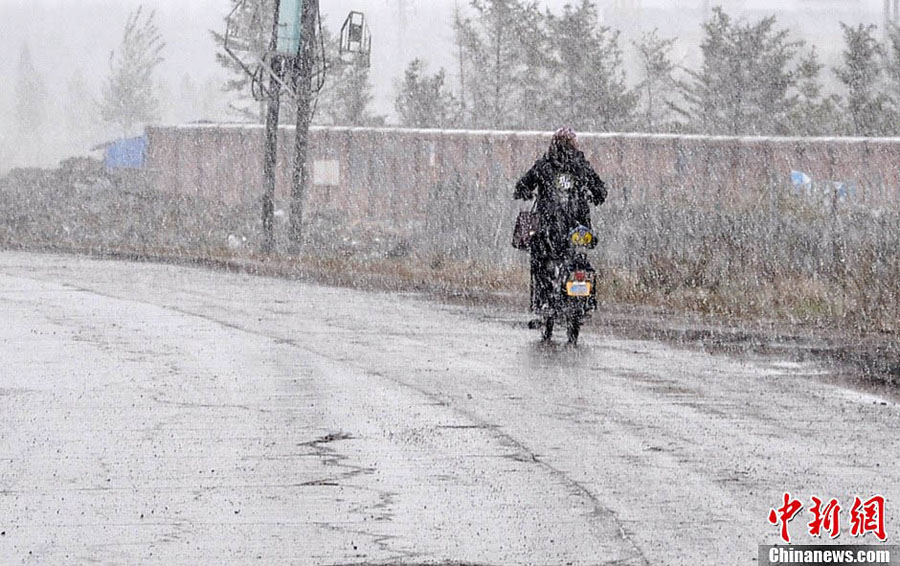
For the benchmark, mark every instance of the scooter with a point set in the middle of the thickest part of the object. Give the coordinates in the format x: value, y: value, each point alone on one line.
x: 575, y: 282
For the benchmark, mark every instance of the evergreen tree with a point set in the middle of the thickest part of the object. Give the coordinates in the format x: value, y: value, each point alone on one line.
x: 128, y: 95
x: 351, y: 95
x: 535, y: 102
x: 423, y: 101
x: 590, y: 91
x: 746, y: 85
x: 892, y: 68
x: 346, y: 96
x: 814, y: 113
x: 658, y: 86
x: 492, y: 62
x: 861, y: 74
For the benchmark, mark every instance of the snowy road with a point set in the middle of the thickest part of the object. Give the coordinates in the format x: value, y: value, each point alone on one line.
x: 160, y: 414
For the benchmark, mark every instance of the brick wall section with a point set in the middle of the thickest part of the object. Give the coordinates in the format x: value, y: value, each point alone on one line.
x: 393, y: 171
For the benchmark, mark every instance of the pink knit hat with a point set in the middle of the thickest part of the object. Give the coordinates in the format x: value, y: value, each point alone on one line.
x: 565, y: 136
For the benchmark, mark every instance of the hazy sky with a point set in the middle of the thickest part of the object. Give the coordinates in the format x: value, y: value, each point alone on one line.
x: 65, y: 35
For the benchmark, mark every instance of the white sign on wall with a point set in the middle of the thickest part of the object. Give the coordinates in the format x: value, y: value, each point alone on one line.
x: 327, y: 172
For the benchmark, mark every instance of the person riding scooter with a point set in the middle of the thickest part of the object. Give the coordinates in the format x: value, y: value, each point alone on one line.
x: 564, y: 185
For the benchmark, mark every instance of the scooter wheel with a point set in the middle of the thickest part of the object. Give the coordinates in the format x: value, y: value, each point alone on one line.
x: 573, y: 329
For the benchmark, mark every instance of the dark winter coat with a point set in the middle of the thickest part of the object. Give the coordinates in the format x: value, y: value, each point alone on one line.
x: 565, y: 186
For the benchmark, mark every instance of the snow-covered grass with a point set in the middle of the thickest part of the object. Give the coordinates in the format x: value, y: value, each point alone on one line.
x: 81, y: 206
x: 791, y: 260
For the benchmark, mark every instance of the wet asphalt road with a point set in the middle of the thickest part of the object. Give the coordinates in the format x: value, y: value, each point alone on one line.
x: 171, y: 415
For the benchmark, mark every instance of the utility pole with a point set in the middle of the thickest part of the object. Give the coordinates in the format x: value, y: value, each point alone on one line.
x: 294, y: 64
x: 270, y: 153
x: 303, y: 75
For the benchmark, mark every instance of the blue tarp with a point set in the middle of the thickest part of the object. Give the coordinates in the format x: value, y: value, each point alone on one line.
x: 126, y: 154
x: 800, y: 180
x: 803, y: 183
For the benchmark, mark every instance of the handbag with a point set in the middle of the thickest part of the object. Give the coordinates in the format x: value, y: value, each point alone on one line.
x: 527, y: 225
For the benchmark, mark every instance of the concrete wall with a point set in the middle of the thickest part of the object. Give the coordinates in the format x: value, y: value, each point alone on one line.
x: 404, y: 175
